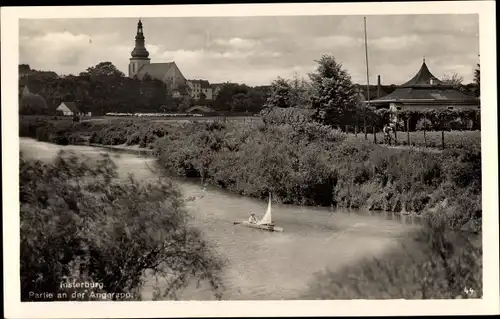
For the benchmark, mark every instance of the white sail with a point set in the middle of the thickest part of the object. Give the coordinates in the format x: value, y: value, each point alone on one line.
x: 267, y: 217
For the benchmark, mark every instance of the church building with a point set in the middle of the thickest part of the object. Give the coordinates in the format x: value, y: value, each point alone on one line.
x: 140, y: 66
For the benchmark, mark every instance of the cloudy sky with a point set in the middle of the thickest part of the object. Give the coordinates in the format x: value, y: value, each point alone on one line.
x: 256, y: 50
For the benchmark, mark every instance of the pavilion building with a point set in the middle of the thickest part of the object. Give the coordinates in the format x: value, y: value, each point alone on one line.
x: 425, y: 91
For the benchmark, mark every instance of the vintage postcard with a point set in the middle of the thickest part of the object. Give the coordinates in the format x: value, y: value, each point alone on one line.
x: 250, y: 160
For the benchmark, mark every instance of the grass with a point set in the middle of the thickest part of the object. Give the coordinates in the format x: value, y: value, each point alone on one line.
x: 432, y: 139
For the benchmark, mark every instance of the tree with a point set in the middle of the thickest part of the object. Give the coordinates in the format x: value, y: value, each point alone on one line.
x: 147, y: 77
x: 80, y: 223
x: 333, y: 96
x: 289, y: 93
x: 240, y: 102
x: 477, y: 79
x: 202, y: 100
x: 257, y: 97
x: 453, y: 79
x: 185, y: 103
x: 280, y: 94
x: 103, y: 69
x: 456, y: 81
x: 224, y: 98
x: 301, y: 93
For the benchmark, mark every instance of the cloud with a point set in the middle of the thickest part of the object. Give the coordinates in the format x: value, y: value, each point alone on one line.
x: 333, y: 41
x: 69, y: 53
x: 237, y: 43
x: 396, y: 43
x: 256, y: 50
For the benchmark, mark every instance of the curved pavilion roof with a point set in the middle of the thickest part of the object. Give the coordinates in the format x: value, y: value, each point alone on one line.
x: 425, y: 87
x: 423, y: 77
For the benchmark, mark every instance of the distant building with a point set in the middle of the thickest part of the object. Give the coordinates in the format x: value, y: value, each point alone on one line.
x: 69, y: 109
x: 199, y: 87
x: 140, y: 66
x: 373, y: 92
x: 426, y: 91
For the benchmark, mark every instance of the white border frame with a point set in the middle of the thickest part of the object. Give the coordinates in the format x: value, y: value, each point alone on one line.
x: 10, y: 149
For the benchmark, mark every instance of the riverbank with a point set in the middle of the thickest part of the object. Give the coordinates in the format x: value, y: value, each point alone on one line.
x: 303, y: 164
x: 361, y: 246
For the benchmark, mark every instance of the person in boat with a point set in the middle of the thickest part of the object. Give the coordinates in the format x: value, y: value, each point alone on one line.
x: 252, y: 219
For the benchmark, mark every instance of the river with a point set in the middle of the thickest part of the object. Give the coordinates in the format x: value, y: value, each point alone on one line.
x: 264, y: 265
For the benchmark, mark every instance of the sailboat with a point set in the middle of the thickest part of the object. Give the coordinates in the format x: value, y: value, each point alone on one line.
x: 266, y: 223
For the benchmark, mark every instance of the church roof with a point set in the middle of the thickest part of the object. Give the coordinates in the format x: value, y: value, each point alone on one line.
x: 423, y: 77
x: 155, y: 70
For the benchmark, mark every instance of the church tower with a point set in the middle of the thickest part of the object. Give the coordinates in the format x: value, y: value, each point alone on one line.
x: 139, y: 54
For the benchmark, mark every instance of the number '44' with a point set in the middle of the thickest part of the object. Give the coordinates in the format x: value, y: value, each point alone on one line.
x: 468, y: 291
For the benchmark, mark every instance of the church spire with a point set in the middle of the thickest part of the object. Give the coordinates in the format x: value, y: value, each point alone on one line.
x: 139, y: 51
x: 139, y: 54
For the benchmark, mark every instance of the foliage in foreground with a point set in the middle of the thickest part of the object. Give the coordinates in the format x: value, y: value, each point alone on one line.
x: 435, y: 264
x: 80, y: 223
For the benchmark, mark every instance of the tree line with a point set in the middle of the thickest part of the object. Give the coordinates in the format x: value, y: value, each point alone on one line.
x: 330, y: 97
x: 103, y: 88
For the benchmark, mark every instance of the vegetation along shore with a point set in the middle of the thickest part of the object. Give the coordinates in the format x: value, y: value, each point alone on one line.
x: 297, y: 152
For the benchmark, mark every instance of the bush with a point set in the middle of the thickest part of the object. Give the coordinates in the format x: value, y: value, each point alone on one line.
x: 423, y: 124
x: 296, y: 160
x: 278, y: 116
x: 435, y: 263
x: 79, y: 222
x: 415, y: 271
x: 309, y: 163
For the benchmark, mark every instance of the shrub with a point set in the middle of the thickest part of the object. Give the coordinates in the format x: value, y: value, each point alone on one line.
x: 435, y: 263
x: 79, y: 221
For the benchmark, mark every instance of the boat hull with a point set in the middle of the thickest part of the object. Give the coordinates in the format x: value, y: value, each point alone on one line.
x: 263, y: 227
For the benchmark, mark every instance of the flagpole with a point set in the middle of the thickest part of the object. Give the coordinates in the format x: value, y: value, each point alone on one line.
x: 367, y: 72
x: 367, y: 75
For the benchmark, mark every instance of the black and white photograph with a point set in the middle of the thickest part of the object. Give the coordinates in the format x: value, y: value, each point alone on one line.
x: 327, y: 153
